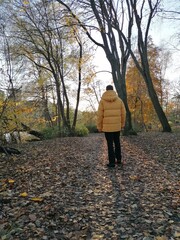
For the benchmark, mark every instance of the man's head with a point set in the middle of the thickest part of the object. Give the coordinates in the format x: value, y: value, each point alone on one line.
x: 109, y: 87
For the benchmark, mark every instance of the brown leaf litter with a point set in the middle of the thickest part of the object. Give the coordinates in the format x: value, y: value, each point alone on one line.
x: 62, y: 189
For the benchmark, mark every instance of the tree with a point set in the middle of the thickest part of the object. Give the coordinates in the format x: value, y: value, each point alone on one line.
x: 9, y: 71
x: 117, y: 52
x: 142, y: 42
x: 46, y: 39
x: 175, y: 108
x: 108, y: 22
x: 40, y: 91
x: 138, y: 98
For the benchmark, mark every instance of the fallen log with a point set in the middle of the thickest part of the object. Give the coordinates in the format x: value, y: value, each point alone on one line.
x: 9, y: 150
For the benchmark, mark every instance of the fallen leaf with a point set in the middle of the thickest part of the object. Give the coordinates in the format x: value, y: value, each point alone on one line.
x: 24, y: 194
x: 37, y: 199
x: 161, y: 238
x: 134, y: 177
x: 11, y: 181
x: 97, y: 236
x: 32, y: 217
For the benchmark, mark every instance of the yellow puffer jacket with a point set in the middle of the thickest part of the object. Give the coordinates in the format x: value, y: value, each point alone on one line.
x: 111, y: 113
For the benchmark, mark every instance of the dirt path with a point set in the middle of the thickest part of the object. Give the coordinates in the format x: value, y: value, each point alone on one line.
x: 77, y: 197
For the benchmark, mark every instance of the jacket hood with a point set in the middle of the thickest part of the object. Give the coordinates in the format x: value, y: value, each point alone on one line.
x: 109, y: 96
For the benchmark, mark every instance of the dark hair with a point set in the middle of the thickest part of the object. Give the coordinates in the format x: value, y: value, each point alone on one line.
x: 109, y: 87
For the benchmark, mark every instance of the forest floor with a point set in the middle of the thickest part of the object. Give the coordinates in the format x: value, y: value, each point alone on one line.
x: 61, y: 189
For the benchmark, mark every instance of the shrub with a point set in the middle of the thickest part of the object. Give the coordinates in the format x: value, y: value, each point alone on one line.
x: 81, y: 131
x: 50, y: 132
x: 64, y: 132
x: 92, y: 128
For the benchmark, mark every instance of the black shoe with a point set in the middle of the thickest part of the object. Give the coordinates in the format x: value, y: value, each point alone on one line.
x: 110, y: 165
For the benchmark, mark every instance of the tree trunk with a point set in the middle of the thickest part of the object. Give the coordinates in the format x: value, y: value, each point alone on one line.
x: 60, y: 106
x: 154, y: 98
x: 79, y: 85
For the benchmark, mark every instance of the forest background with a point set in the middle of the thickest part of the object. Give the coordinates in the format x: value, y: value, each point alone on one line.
x: 58, y: 56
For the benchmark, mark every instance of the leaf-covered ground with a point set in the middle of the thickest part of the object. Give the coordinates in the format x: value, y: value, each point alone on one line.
x: 62, y: 189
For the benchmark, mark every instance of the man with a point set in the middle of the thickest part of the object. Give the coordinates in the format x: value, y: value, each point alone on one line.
x: 111, y: 120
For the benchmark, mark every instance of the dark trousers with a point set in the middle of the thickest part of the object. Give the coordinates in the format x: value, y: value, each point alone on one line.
x: 114, y: 147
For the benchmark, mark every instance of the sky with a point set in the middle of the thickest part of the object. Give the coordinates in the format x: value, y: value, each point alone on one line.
x: 164, y: 32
